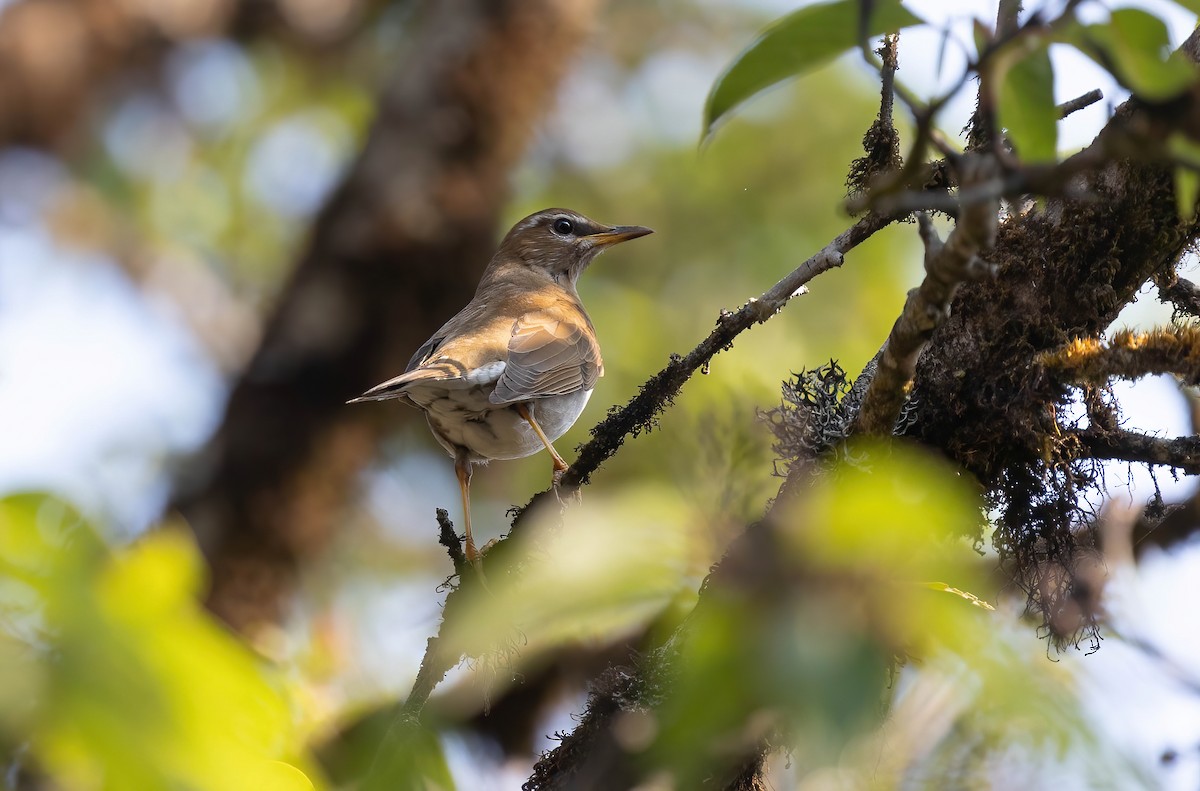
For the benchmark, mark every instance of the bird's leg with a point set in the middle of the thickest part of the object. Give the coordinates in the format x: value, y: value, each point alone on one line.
x: 560, y: 466
x: 462, y: 468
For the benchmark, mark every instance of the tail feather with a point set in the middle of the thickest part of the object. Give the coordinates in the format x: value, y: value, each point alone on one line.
x: 392, y: 388
x: 447, y: 371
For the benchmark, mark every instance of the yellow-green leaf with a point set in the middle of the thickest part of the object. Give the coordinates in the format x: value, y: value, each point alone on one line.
x: 1135, y: 47
x: 125, y: 681
x: 796, y: 43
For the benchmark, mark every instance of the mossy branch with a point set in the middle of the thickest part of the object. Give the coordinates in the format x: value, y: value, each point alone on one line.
x: 1129, y: 355
x: 881, y: 143
x: 947, y: 266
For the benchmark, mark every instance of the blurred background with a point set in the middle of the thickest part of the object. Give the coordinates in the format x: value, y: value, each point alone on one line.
x: 221, y: 218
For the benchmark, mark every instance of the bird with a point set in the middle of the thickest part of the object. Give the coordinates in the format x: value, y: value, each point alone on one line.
x: 514, y: 369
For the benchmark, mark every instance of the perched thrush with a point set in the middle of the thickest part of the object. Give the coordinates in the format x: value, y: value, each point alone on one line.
x: 513, y: 370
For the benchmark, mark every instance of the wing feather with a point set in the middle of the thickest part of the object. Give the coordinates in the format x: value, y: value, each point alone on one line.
x: 548, y: 355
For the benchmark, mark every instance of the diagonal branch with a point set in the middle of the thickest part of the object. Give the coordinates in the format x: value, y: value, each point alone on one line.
x: 634, y: 418
x: 642, y: 411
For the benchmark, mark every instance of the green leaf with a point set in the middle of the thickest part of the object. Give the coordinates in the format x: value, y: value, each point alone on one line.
x: 1187, y: 186
x: 796, y: 43
x: 410, y: 758
x: 1135, y: 47
x: 1026, y: 106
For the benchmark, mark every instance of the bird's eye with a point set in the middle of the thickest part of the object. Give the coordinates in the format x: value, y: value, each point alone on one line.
x: 563, y: 226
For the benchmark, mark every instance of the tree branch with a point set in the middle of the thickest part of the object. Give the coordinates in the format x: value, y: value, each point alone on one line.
x: 1080, y: 102
x: 881, y: 143
x: 1181, y: 453
x: 607, y: 437
x: 1129, y: 355
x: 947, y: 266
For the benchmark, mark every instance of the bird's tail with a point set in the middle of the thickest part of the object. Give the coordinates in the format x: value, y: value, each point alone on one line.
x: 447, y: 371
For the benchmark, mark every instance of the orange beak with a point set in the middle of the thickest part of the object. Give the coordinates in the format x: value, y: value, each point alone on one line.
x: 618, y: 234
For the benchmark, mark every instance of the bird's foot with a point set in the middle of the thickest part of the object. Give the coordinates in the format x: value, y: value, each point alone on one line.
x: 565, y: 496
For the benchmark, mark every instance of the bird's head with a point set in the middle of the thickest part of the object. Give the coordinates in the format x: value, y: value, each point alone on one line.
x: 560, y: 243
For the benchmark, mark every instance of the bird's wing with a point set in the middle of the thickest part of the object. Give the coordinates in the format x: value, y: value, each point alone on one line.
x: 434, y: 362
x: 425, y: 352
x: 548, y: 355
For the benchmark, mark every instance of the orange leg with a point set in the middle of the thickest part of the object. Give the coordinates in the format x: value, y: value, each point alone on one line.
x: 560, y: 466
x: 462, y: 468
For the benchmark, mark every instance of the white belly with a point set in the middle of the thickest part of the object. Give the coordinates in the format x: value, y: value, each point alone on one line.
x: 465, y: 418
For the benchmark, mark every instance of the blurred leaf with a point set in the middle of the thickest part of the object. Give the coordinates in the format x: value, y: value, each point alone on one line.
x: 616, y: 567
x: 408, y: 757
x: 894, y: 518
x: 277, y: 776
x: 797, y: 43
x: 1134, y: 46
x: 747, y: 670
x: 981, y: 35
x: 888, y: 512
x: 142, y: 689
x: 1026, y: 107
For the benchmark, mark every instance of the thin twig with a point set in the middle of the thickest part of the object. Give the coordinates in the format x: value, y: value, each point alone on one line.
x: 1173, y: 669
x: 435, y: 664
x: 907, y: 191
x: 981, y: 129
x: 881, y: 143
x: 1080, y: 102
x: 448, y: 538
